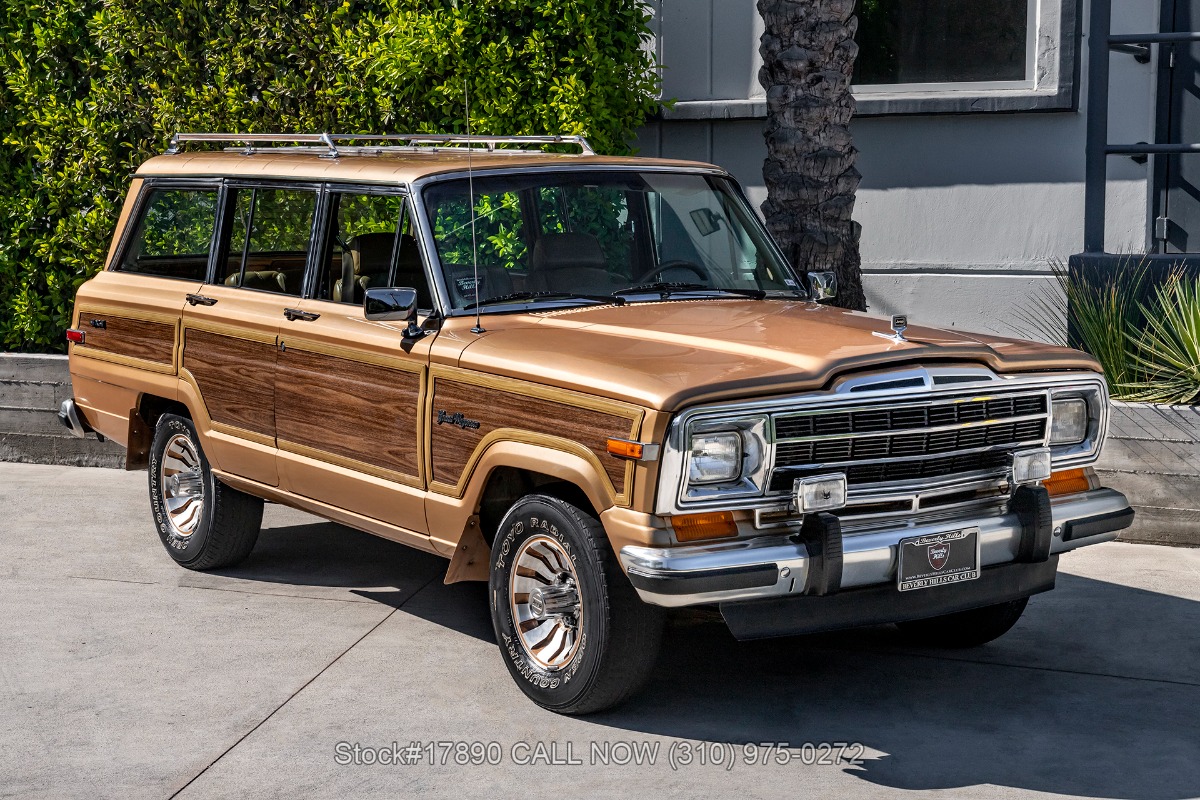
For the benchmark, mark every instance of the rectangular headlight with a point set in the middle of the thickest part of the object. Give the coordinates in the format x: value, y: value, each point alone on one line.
x: 715, y: 457
x: 1068, y: 421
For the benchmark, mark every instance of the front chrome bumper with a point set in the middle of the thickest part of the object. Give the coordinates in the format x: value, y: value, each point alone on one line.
x: 778, y: 565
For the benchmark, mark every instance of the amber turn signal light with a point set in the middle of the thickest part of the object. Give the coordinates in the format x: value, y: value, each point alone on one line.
x: 623, y: 448
x: 1068, y: 481
x: 697, y: 527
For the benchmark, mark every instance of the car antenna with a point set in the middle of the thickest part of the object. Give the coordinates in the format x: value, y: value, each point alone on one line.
x: 471, y: 208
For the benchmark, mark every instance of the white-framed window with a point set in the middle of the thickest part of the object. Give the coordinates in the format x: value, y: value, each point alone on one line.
x: 927, y: 45
x: 930, y: 56
x: 916, y: 57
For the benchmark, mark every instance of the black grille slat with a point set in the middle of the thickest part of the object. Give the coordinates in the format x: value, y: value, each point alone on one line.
x: 1030, y: 429
x: 870, y: 421
x: 875, y: 447
x: 831, y: 424
x: 999, y: 408
x: 909, y: 444
x: 942, y: 415
x: 794, y: 427
x: 899, y: 440
x: 833, y: 450
x: 909, y: 418
x: 1024, y: 406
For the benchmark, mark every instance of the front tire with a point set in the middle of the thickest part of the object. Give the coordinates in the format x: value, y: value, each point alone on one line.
x: 965, y: 628
x: 572, y: 631
x: 202, y: 523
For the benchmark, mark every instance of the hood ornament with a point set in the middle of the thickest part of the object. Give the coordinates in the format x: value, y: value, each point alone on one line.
x: 899, y: 326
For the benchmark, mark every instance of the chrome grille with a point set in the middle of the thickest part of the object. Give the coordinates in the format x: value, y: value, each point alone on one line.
x: 908, y: 442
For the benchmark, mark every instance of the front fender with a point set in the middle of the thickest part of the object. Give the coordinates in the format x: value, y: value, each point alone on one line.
x: 450, y: 516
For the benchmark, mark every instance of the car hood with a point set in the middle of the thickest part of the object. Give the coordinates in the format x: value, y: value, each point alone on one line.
x: 666, y: 355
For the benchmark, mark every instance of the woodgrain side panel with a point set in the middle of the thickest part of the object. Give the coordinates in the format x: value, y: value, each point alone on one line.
x: 128, y: 337
x: 363, y: 412
x: 452, y: 445
x: 236, y: 378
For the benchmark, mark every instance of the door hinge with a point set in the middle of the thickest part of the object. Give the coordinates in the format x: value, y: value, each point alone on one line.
x: 1160, y: 228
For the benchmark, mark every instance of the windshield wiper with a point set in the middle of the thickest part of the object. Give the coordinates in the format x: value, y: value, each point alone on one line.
x: 517, y: 296
x: 666, y: 289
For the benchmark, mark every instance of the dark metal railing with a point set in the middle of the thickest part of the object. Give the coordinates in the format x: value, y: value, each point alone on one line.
x: 1101, y: 45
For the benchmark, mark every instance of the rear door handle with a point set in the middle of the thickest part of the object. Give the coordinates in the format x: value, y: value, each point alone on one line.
x: 201, y: 300
x: 294, y: 314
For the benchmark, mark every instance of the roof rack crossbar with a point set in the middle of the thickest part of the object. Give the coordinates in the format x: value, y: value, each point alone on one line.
x: 410, y: 140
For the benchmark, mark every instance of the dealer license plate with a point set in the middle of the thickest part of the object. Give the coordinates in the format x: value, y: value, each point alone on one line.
x: 938, y: 558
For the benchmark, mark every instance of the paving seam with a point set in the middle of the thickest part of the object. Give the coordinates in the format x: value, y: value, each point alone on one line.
x: 228, y: 589
x: 306, y: 684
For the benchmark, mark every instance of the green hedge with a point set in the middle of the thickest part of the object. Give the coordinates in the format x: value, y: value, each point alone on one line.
x: 91, y: 89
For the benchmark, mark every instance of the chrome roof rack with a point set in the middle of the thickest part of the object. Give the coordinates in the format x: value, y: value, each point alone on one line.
x: 411, y: 141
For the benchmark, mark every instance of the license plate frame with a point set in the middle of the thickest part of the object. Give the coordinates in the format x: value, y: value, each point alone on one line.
x: 918, y: 558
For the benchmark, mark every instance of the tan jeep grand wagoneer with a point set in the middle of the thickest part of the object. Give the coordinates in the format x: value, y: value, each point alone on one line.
x: 593, y: 382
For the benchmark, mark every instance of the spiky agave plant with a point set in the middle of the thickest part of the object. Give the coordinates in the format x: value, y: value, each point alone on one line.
x: 1168, y: 349
x: 1104, y: 311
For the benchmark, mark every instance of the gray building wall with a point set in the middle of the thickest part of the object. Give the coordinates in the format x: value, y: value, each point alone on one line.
x: 962, y: 214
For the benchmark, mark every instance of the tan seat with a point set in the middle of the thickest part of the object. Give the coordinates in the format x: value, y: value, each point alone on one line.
x: 569, y: 262
x: 268, y: 280
x: 365, y: 264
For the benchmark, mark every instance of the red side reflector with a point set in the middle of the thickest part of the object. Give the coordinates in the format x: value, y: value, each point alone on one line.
x: 75, y: 336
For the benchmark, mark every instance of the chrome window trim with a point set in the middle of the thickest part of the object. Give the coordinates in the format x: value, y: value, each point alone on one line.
x: 855, y: 391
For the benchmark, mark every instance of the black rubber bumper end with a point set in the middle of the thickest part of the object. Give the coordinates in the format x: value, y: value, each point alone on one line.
x: 706, y: 580
x: 1094, y: 526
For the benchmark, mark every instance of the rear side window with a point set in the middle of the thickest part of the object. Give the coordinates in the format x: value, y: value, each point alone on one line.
x: 268, y: 241
x: 173, y: 235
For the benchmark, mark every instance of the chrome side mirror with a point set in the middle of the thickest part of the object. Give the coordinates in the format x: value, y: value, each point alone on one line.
x: 822, y: 286
x: 393, y: 305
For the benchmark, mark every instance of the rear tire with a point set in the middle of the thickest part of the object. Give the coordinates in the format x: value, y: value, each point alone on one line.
x: 965, y: 628
x: 202, y: 523
x: 572, y: 631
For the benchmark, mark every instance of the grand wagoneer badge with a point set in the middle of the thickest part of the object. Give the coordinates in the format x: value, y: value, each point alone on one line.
x: 456, y: 418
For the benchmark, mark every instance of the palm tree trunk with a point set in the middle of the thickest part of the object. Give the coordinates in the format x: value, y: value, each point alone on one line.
x: 808, y: 53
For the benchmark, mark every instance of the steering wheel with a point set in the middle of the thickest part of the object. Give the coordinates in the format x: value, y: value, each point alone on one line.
x: 678, y: 263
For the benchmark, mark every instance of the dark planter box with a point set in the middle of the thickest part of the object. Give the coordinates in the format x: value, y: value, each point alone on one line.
x: 1153, y: 456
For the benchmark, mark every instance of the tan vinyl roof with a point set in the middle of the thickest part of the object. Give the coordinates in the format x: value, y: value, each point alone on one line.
x: 387, y: 167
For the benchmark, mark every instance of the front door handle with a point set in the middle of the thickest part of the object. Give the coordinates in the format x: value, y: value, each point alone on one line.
x: 294, y: 314
x: 201, y: 300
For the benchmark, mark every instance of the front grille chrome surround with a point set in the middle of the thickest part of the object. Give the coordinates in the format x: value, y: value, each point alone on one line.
x: 902, y: 437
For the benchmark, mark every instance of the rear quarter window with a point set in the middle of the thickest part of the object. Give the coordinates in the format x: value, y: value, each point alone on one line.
x: 173, y: 234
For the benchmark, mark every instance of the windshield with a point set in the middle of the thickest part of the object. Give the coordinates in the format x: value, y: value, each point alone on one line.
x: 553, y: 237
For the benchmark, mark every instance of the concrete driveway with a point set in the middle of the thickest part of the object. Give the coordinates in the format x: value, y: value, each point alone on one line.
x: 122, y: 675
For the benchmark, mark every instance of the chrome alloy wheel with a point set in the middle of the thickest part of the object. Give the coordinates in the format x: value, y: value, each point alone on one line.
x: 182, y: 485
x: 547, y: 610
